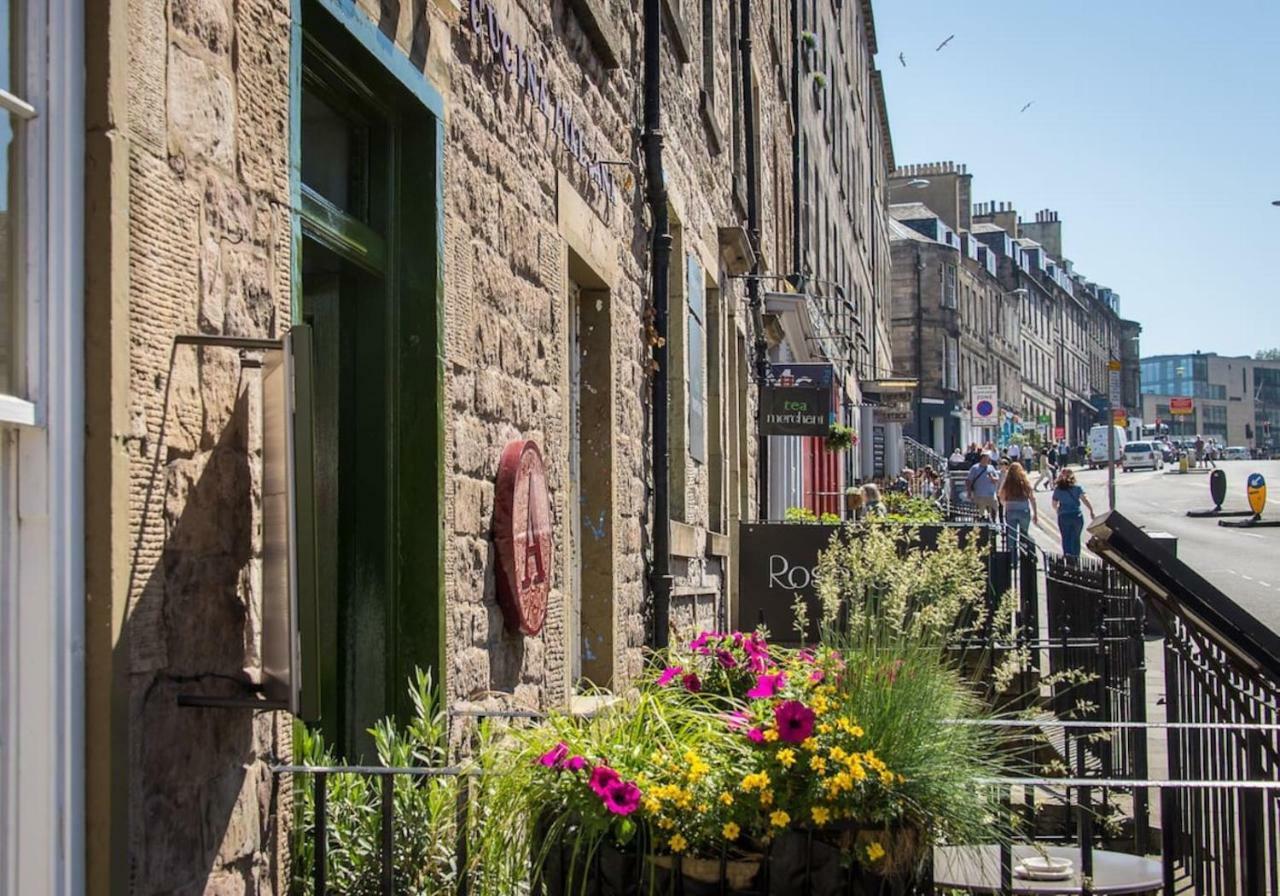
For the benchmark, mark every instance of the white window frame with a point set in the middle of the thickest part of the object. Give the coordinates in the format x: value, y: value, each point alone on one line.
x: 42, y: 464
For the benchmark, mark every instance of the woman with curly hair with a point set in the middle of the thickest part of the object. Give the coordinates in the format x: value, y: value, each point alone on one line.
x: 1019, y: 501
x: 1067, y: 499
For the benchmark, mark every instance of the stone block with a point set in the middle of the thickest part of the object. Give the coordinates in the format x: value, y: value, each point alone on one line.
x: 206, y: 22
x: 202, y: 108
x: 473, y: 506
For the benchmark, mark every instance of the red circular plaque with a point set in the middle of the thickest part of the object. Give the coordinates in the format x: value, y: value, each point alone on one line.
x: 522, y: 520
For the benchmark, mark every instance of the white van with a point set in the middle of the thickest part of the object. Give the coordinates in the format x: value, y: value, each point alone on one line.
x: 1098, y: 456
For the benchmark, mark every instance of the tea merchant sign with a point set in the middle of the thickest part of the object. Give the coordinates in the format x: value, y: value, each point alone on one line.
x: 522, y: 64
x: 522, y: 524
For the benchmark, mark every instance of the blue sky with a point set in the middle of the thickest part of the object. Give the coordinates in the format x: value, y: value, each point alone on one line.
x: 1155, y: 133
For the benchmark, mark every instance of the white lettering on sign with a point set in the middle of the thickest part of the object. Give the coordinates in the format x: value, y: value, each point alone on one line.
x: 790, y: 578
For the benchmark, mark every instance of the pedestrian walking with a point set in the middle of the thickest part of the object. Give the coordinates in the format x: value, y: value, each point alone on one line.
x: 871, y: 503
x: 1064, y: 455
x: 1019, y: 502
x: 1048, y: 470
x: 1199, y: 449
x: 971, y: 456
x: 1003, y: 468
x: 1015, y: 452
x: 980, y: 485
x: 1067, y: 500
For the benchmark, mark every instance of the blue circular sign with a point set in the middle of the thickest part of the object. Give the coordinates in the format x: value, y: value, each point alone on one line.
x: 985, y: 408
x: 1257, y: 491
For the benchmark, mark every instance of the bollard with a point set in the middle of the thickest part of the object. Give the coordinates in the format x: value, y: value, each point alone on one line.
x: 1183, y: 465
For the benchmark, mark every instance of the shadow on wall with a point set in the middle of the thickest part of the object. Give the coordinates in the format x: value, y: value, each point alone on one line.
x: 420, y: 34
x: 202, y: 798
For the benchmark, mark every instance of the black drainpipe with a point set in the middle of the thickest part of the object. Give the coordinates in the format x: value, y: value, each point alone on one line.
x: 797, y: 249
x: 660, y: 263
x: 753, y: 230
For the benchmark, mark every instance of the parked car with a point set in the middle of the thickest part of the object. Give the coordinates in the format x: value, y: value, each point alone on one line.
x: 1236, y: 452
x: 1142, y: 455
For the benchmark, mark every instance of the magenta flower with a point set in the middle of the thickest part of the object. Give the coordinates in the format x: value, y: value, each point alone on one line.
x: 575, y: 763
x: 767, y: 686
x: 621, y: 798
x: 555, y: 755
x: 699, y: 644
x: 736, y: 720
x: 794, y: 721
x: 692, y: 683
x: 737, y: 639
x: 817, y: 675
x: 602, y: 778
x: 805, y: 656
x: 669, y: 674
x: 726, y: 659
x: 756, y: 736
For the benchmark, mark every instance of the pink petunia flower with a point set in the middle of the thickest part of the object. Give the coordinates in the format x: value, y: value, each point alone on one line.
x: 726, y: 659
x: 794, y: 721
x: 736, y: 720
x: 555, y: 755
x: 817, y: 675
x: 669, y: 674
x: 767, y: 686
x: 575, y: 763
x: 621, y: 798
x: 602, y: 778
x: 699, y: 644
x: 692, y: 683
x: 756, y: 736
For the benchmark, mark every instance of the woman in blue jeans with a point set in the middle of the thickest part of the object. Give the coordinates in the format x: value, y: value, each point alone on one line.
x: 1067, y: 498
x: 1019, y: 501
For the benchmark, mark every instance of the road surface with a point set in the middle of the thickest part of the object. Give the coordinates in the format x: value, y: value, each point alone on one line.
x: 1243, y: 564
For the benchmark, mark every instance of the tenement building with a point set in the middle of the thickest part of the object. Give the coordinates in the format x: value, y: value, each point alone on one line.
x: 955, y: 326
x: 429, y: 284
x: 829, y: 310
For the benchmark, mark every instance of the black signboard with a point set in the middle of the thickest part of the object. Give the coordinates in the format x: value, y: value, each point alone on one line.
x: 777, y: 561
x: 877, y: 451
x: 797, y: 400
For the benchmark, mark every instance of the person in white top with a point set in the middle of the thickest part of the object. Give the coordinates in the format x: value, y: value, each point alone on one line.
x: 1015, y: 452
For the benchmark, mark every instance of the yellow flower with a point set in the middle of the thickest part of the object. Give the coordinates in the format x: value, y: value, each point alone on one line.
x: 875, y: 852
x: 678, y: 843
x: 703, y: 808
x: 886, y: 778
x: 780, y: 819
x: 810, y: 744
x: 652, y: 804
x: 824, y: 728
x: 730, y: 830
x: 818, y: 764
x: 756, y: 781
x: 726, y: 799
x: 766, y: 798
x: 771, y: 735
x: 787, y: 757
x: 821, y: 814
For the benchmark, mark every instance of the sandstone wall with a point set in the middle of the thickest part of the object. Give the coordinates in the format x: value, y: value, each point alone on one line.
x: 209, y: 252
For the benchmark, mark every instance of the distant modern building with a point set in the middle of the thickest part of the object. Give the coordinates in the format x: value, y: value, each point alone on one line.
x: 1234, y: 399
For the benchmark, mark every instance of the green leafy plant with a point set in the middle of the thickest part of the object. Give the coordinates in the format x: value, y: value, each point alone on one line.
x: 425, y: 827
x: 809, y: 38
x: 820, y: 81
x: 841, y: 438
x: 904, y: 508
x: 805, y: 515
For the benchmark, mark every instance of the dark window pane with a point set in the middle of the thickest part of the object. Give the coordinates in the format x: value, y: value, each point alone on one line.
x: 332, y: 155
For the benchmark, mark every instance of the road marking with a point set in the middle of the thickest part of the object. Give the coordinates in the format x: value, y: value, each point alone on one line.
x: 1264, y: 584
x: 1243, y: 576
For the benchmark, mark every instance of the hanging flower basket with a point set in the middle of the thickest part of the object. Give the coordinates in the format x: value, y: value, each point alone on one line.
x: 841, y: 438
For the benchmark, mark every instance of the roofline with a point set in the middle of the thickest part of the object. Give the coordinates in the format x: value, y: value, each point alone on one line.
x: 869, y: 23
x: 877, y: 83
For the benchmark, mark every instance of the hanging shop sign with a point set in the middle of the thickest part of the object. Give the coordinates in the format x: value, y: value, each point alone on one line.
x: 985, y: 406
x: 521, y: 64
x: 1182, y: 406
x: 893, y: 412
x: 797, y: 400
x: 523, y: 537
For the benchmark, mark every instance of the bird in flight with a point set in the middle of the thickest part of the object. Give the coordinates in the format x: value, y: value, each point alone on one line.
x: 1026, y: 107
x: 903, y: 59
x: 944, y: 43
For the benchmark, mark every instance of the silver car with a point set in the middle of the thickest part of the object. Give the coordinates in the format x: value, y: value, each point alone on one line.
x: 1142, y: 455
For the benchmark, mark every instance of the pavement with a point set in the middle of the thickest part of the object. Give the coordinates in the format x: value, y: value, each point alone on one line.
x: 1243, y: 564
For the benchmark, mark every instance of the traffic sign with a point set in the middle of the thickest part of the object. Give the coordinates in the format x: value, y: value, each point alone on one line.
x: 986, y: 407
x: 1257, y: 488
x: 1181, y: 406
x: 1113, y: 381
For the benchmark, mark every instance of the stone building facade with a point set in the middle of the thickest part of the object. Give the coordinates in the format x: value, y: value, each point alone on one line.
x: 450, y: 198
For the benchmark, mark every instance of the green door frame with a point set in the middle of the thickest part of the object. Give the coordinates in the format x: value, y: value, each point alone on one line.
x: 417, y: 390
